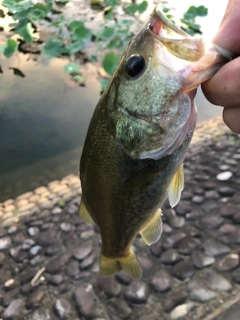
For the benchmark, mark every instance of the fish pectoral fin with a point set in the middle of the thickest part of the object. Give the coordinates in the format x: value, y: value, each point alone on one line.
x: 152, y: 231
x: 176, y: 187
x: 84, y: 214
x: 129, y: 264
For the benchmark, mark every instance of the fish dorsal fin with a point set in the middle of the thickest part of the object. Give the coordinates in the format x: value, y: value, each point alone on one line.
x: 176, y: 187
x: 152, y: 231
x: 84, y: 214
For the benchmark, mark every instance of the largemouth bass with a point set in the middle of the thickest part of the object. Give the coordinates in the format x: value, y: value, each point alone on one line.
x: 138, y: 137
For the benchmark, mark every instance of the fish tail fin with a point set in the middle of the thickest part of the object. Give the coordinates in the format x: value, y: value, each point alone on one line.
x: 128, y: 263
x: 84, y: 214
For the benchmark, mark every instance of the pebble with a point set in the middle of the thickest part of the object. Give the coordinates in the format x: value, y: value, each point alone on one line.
x: 181, y: 311
x: 13, y: 309
x: 33, y: 231
x: 82, y: 252
x: 156, y: 249
x: 236, y: 275
x: 37, y: 260
x: 172, y: 240
x: 146, y: 265
x: 226, y: 191
x: 73, y: 268
x: 183, y: 269
x: 120, y: 308
x: 46, y: 238
x: 227, y: 211
x: 201, y: 260
x: 137, y: 293
x: 227, y: 228
x: 176, y: 222
x: 85, y: 264
x: 3, y: 259
x: 86, y: 302
x: 9, y: 284
x: 5, y: 243
x: 211, y: 222
x: 170, y: 256
x: 65, y: 227
x: 198, y: 199
x: 216, y: 281
x: 109, y: 286
x: 194, y: 215
x: 55, y: 279
x: 123, y: 278
x: 35, y: 298
x: 224, y: 176
x: 57, y: 264
x: 187, y: 244
x: 228, y: 263
x: 52, y: 250
x: 56, y: 210
x: 213, y: 247
x: 10, y: 296
x: 173, y: 299
x: 199, y: 292
x: 63, y: 308
x: 35, y: 250
x: 161, y: 281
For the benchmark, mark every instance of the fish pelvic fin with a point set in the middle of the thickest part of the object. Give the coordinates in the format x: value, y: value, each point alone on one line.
x: 176, y: 187
x: 84, y: 214
x: 152, y: 231
x: 128, y: 263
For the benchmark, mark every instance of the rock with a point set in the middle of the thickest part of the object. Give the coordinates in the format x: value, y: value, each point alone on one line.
x: 28, y: 275
x: 10, y: 296
x: 87, y: 303
x: 166, y: 228
x: 57, y: 264
x: 13, y: 230
x: 170, y: 256
x: 224, y: 176
x: 119, y: 307
x: 27, y: 244
x: 13, y: 309
x: 73, y: 268
x: 27, y: 288
x: 18, y: 238
x: 199, y: 292
x: 82, y: 252
x: 66, y: 227
x: 123, y: 278
x: 46, y: 238
x: 216, y: 281
x: 17, y: 254
x: 186, y: 245
x: 236, y: 275
x: 200, y: 260
x: 212, y: 194
x: 55, y: 279
x: 156, y: 249
x: 183, y: 270
x: 137, y: 293
x: 85, y: 264
x: 173, y: 299
x: 9, y: 284
x: 224, y: 167
x: 161, y: 281
x: 146, y: 265
x: 35, y: 250
x: 236, y: 217
x: 56, y: 210
x: 176, y: 222
x: 198, y: 199
x: 25, y: 195
x: 227, y: 228
x: 63, y: 308
x: 5, y: 243
x: 229, y: 262
x: 181, y: 311
x: 194, y: 215
x: 227, y: 211
x: 226, y: 191
x: 171, y: 241
x: 35, y: 298
x: 234, y: 236
x: 37, y: 260
x: 43, y: 314
x: 211, y: 222
x: 61, y: 289
x: 40, y: 190
x: 87, y: 234
x: 183, y: 207
x: 33, y: 231
x: 52, y: 250
x: 7, y: 222
x: 109, y: 286
x: 213, y: 247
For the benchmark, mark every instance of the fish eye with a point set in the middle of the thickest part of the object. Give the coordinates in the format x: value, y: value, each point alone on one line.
x: 135, y: 65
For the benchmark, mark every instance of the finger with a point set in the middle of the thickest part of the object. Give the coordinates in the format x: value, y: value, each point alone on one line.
x: 231, y: 116
x: 223, y: 88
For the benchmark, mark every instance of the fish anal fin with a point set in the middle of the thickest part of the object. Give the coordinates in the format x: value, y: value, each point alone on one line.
x: 84, y: 214
x: 152, y: 231
x: 128, y: 263
x: 176, y: 187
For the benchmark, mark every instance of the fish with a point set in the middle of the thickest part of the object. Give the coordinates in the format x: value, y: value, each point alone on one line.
x: 140, y: 131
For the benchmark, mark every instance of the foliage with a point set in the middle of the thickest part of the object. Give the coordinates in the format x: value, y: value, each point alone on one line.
x: 73, y: 37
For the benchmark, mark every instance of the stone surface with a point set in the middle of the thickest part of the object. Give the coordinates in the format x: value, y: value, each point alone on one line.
x: 35, y: 298
x: 228, y: 263
x: 173, y: 299
x: 63, y: 308
x: 119, y: 308
x: 181, y: 311
x: 211, y: 222
x: 82, y: 252
x: 109, y: 286
x: 213, y: 247
x: 236, y: 275
x: 215, y: 280
x: 183, y: 270
x: 170, y: 257
x: 161, y: 281
x: 199, y: 292
x: 137, y: 293
x: 201, y: 260
x: 57, y: 264
x: 186, y: 245
x: 13, y: 309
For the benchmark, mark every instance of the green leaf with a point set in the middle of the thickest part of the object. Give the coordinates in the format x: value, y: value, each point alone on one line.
x: 112, y: 3
x: 165, y: 9
x: 17, y: 5
x: 202, y: 11
x: 26, y: 32
x: 38, y: 12
x: 17, y: 72
x: 114, y: 43
x: 110, y: 62
x: 71, y: 68
x: 104, y: 83
x: 53, y: 48
x: 125, y: 23
x: 80, y: 32
x: 142, y: 6
x: 61, y: 203
x: 74, y: 47
x: 20, y: 15
x: 22, y: 23
x: 107, y: 33
x: 79, y: 78
x: 2, y: 14
x: 10, y: 48
x: 2, y: 48
x: 93, y: 58
x: 133, y: 8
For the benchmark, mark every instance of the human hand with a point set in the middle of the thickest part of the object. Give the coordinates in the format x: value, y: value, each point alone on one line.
x: 224, y: 87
